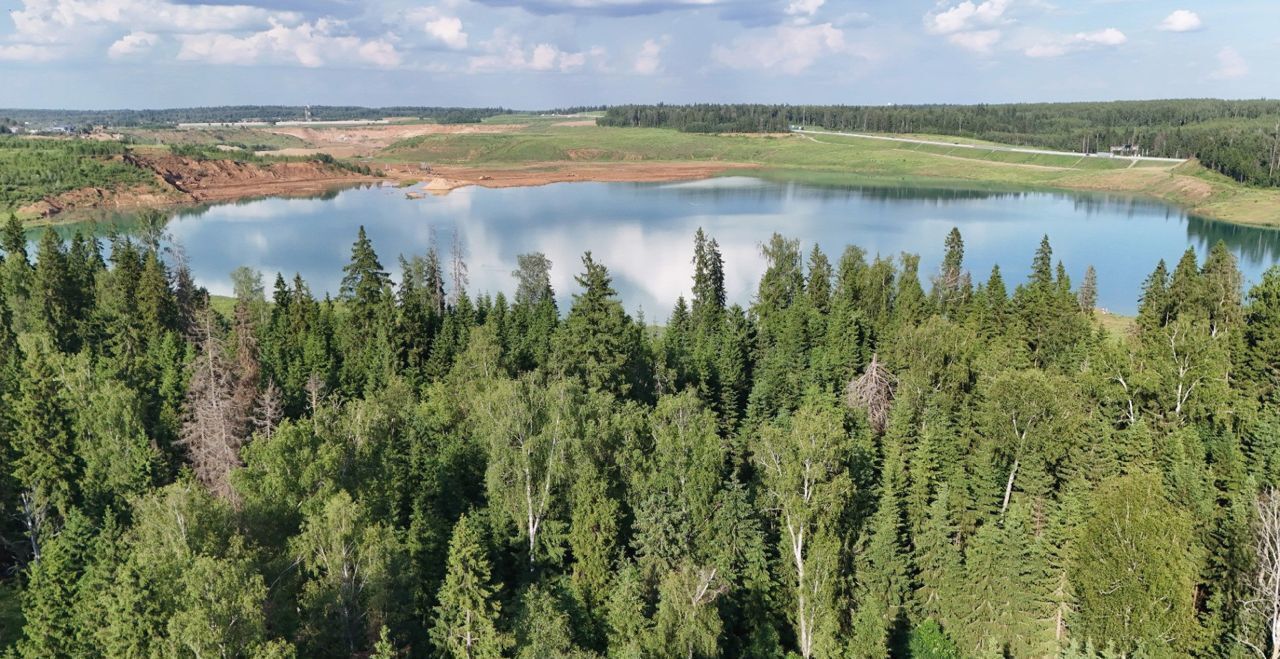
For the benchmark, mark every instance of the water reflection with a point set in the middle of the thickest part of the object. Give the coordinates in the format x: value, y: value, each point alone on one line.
x: 643, y: 232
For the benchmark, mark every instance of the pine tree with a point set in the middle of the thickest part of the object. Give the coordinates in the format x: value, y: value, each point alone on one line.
x: 466, y: 619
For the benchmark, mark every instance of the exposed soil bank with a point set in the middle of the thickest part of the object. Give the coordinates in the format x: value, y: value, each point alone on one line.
x: 180, y: 180
x: 444, y: 178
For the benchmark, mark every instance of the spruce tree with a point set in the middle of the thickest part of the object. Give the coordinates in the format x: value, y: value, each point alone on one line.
x: 466, y: 618
x: 818, y: 286
x: 50, y: 599
x: 708, y: 283
x: 1260, y: 356
x: 1222, y: 290
x: 1088, y: 295
x: 17, y: 271
x: 45, y: 463
x: 598, y: 342
x: 365, y: 285
x: 52, y: 293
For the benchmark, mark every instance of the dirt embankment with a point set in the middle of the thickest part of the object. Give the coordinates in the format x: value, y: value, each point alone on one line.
x: 180, y: 180
x: 348, y: 142
x: 443, y: 178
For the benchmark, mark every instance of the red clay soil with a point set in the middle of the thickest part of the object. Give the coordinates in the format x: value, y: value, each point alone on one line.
x: 180, y: 180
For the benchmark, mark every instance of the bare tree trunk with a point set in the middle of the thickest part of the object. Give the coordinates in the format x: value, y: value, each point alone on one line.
x: 1265, y: 602
x: 1008, y: 487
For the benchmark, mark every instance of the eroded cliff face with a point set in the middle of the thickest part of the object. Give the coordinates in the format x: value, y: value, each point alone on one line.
x: 180, y: 180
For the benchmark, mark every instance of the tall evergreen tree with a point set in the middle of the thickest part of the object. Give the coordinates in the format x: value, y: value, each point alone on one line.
x: 598, y: 342
x: 466, y: 619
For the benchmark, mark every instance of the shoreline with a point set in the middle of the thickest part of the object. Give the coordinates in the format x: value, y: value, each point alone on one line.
x: 442, y: 179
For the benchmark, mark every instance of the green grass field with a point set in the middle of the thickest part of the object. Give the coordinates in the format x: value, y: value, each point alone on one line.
x: 250, y: 139
x: 834, y: 160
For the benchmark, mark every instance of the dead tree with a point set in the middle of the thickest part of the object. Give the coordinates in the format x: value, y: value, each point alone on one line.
x: 268, y: 411
x: 1264, y: 605
x: 872, y: 392
x: 457, y: 270
x: 215, y: 417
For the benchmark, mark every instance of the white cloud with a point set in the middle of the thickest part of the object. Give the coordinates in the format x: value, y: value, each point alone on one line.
x: 311, y: 44
x: 62, y: 20
x: 1182, y: 20
x: 968, y: 25
x: 507, y: 52
x: 804, y: 7
x: 441, y: 27
x: 448, y: 29
x: 64, y: 28
x: 1057, y: 46
x: 1231, y: 64
x: 786, y: 48
x: 25, y: 52
x: 966, y: 16
x: 134, y: 43
x: 649, y: 61
x: 980, y: 42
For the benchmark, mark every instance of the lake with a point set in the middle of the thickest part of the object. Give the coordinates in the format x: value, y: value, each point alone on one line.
x: 644, y: 233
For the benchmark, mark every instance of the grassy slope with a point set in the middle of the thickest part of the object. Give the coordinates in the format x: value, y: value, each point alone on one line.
x: 247, y: 138
x: 834, y: 159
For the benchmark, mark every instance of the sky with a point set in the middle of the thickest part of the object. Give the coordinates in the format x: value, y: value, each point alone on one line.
x: 540, y: 54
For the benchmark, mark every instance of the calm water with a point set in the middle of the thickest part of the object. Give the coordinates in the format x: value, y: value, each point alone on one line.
x: 644, y: 233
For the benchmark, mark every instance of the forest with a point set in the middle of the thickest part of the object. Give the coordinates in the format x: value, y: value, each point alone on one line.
x: 864, y: 461
x: 1239, y: 139
x: 236, y: 113
x: 31, y: 169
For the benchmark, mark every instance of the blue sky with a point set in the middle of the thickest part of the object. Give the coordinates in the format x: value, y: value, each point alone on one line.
x: 535, y: 54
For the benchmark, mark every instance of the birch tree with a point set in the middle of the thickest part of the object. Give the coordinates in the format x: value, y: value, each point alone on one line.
x: 529, y: 427
x: 802, y: 464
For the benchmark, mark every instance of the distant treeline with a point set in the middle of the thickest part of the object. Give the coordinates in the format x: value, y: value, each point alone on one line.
x: 1240, y: 139
x: 234, y: 113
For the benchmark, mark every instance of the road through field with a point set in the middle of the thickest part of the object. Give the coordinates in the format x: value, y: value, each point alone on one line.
x: 984, y: 147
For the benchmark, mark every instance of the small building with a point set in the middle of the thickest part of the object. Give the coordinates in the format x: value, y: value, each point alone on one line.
x: 1126, y: 151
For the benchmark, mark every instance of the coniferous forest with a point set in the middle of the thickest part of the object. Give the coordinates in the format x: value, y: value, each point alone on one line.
x: 1236, y: 138
x: 866, y: 461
